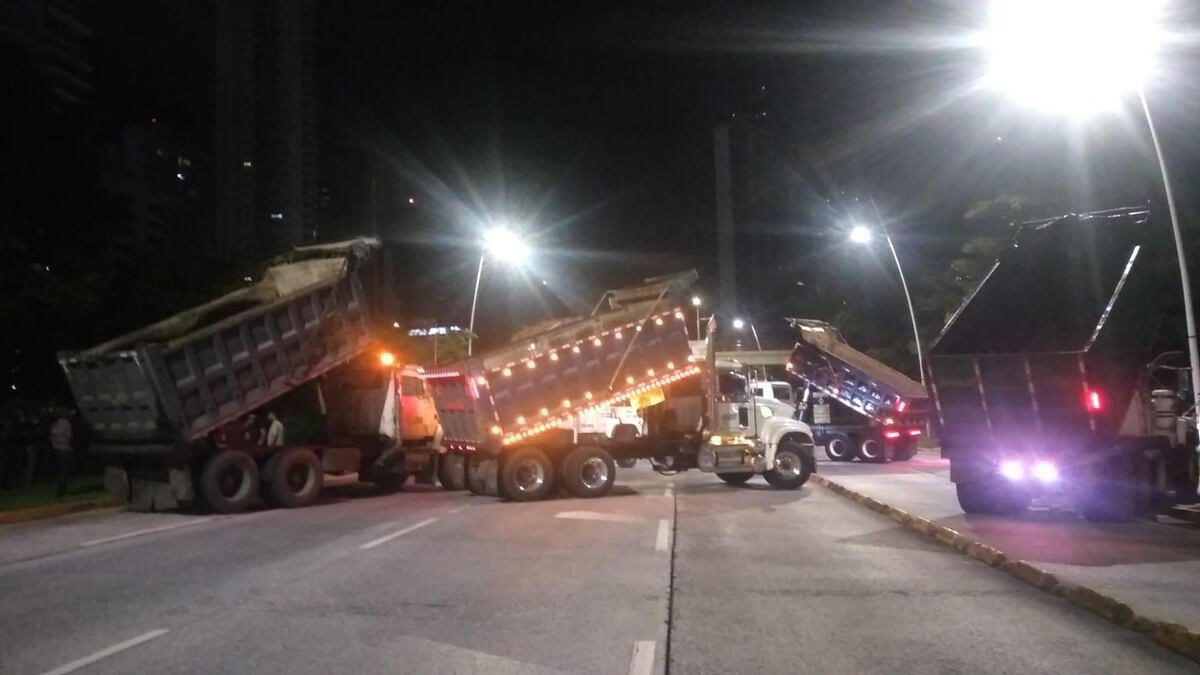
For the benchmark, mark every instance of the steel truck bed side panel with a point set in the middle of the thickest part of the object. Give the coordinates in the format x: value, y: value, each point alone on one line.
x: 822, y: 359
x: 138, y: 398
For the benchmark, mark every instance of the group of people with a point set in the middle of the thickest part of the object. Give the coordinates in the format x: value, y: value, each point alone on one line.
x: 66, y: 437
x: 252, y: 431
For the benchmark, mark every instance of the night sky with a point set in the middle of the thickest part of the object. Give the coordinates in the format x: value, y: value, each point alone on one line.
x: 588, y: 126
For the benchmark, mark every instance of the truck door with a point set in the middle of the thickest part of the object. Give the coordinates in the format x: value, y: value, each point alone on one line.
x: 419, y: 418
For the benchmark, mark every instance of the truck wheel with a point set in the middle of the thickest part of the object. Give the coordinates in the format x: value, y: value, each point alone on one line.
x: 990, y: 497
x: 1114, y: 494
x: 526, y: 475
x: 839, y: 448
x: 452, y: 471
x: 792, y: 467
x: 390, y: 483
x: 229, y: 482
x: 735, y: 478
x: 871, y: 450
x: 295, y: 478
x: 588, y: 471
x: 903, y: 454
x: 476, y: 480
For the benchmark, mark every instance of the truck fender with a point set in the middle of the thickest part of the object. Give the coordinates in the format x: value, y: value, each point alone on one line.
x: 775, y: 429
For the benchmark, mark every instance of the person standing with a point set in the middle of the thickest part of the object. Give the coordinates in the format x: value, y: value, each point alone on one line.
x: 275, y: 433
x: 62, y: 442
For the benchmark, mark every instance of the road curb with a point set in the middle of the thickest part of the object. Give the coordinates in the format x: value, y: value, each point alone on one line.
x: 55, y: 510
x: 1178, y: 638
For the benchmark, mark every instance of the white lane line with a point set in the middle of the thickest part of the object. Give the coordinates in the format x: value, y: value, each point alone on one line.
x: 458, y: 510
x: 642, y: 661
x: 664, y: 535
x: 105, y: 653
x: 670, y: 491
x: 594, y: 515
x: 149, y: 530
x: 386, y: 538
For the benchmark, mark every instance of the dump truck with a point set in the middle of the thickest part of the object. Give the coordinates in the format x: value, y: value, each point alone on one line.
x: 177, y: 408
x: 856, y: 405
x: 510, y: 411
x: 1063, y: 378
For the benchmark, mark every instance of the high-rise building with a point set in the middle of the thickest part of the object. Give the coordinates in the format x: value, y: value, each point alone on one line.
x: 56, y: 32
x: 267, y: 191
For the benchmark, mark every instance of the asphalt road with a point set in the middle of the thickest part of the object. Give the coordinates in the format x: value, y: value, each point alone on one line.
x: 681, y: 575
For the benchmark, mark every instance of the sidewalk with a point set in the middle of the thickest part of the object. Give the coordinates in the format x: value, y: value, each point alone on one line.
x: 1153, y: 567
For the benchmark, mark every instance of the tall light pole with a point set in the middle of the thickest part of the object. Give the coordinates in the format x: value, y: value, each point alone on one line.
x: 739, y: 324
x: 697, y: 302
x: 1079, y: 57
x: 503, y: 245
x: 862, y: 235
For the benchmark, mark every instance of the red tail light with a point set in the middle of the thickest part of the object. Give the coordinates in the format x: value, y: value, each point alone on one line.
x: 914, y: 432
x: 1093, y: 401
x: 891, y: 434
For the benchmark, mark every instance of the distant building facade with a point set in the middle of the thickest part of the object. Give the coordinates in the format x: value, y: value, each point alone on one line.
x: 57, y: 33
x: 266, y: 127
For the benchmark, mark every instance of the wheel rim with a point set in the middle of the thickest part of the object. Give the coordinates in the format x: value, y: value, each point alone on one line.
x: 231, y: 482
x: 299, y: 478
x: 593, y: 473
x: 870, y: 449
x: 529, y: 475
x: 837, y: 447
x: 788, y: 464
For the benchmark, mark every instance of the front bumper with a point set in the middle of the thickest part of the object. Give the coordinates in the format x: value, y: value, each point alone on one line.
x: 742, y: 457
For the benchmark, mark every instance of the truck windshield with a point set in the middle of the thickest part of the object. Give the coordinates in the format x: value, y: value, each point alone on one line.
x: 782, y: 392
x: 733, y: 386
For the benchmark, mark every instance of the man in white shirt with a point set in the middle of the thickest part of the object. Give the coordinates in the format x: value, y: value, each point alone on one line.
x: 275, y: 436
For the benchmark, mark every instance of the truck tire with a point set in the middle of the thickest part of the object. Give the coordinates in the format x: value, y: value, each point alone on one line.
x: 452, y: 471
x: 735, y: 478
x: 792, y: 467
x: 871, y: 449
x: 588, y: 472
x: 475, y: 478
x: 526, y: 475
x: 229, y: 482
x: 627, y: 463
x: 390, y: 483
x: 294, y: 478
x: 904, y: 453
x: 1116, y: 491
x: 990, y: 497
x: 839, y: 447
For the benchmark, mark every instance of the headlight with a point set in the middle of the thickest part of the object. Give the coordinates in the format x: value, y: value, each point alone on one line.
x: 765, y: 411
x: 715, y: 440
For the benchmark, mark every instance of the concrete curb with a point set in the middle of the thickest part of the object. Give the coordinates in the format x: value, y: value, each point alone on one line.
x: 1173, y: 636
x: 55, y: 510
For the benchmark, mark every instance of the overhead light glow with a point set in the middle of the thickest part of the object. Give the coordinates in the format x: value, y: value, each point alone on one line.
x: 502, y: 244
x: 1077, y: 57
x: 860, y: 235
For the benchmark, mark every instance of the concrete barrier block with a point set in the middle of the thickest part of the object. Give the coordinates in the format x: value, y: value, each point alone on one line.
x: 1030, y: 574
x: 1101, y: 604
x: 985, y: 554
x: 1178, y: 638
x: 921, y: 525
x: 898, y: 515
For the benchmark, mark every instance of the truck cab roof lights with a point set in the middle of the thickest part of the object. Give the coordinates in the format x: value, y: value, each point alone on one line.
x: 617, y: 335
x: 521, y: 420
x: 597, y: 342
x: 553, y: 356
x: 629, y: 379
x: 507, y: 372
x: 575, y: 349
x: 658, y: 321
x: 650, y: 372
x: 587, y: 395
x: 670, y: 365
x: 531, y: 364
x: 496, y: 430
x: 566, y: 403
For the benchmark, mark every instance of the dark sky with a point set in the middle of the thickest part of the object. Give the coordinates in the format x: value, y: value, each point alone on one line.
x: 589, y: 124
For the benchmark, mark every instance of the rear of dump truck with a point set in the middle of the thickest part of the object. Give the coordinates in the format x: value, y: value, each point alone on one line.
x: 1054, y: 378
x: 856, y: 405
x: 523, y: 396
x: 155, y: 397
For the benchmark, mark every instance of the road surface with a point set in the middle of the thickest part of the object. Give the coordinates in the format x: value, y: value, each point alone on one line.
x: 672, y: 574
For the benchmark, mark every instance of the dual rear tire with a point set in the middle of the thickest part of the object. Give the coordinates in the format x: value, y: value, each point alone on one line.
x: 528, y: 474
x: 230, y: 480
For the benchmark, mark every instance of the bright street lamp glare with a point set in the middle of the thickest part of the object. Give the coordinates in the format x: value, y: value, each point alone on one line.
x: 501, y: 243
x: 696, y: 301
x: 738, y: 324
x: 860, y: 235
x: 1077, y: 57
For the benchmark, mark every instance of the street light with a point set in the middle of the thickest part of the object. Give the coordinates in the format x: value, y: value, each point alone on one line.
x: 1081, y: 57
x: 860, y: 234
x: 696, y: 302
x: 505, y: 246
